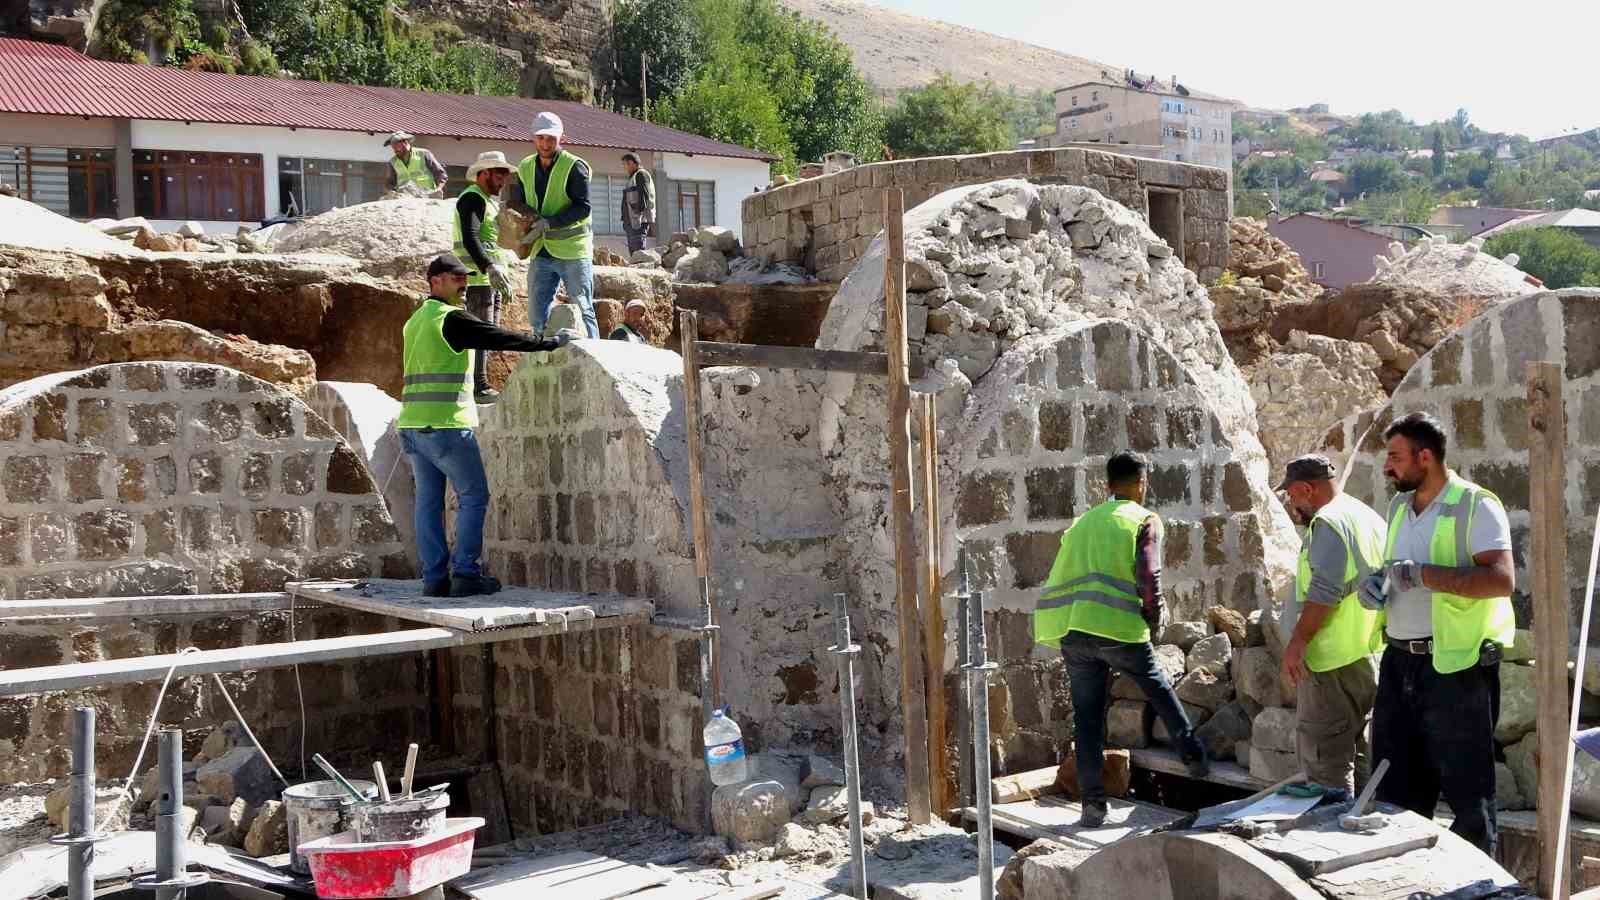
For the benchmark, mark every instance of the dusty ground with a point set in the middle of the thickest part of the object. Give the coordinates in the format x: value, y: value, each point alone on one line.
x: 22, y: 821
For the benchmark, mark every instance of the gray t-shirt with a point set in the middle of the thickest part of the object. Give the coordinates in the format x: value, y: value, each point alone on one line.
x: 1411, y: 612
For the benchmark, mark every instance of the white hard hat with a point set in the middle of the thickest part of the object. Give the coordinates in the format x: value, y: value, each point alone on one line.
x: 492, y: 159
x: 547, y: 123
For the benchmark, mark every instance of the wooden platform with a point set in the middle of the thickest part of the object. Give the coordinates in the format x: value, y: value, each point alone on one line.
x: 511, y: 607
x: 1055, y: 817
x: 1160, y: 759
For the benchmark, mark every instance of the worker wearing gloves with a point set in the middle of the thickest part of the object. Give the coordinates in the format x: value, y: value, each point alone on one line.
x: 552, y: 189
x: 437, y: 416
x: 414, y: 168
x: 1445, y: 591
x: 1329, y: 657
x: 477, y: 234
x: 1101, y: 601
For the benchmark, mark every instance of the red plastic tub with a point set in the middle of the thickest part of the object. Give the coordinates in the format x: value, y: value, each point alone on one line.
x: 343, y: 868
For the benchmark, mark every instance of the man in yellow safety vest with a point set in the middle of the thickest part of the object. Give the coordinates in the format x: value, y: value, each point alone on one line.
x: 437, y: 416
x: 1445, y: 591
x: 414, y: 166
x: 477, y: 236
x: 1329, y: 657
x: 552, y: 190
x: 1099, y: 604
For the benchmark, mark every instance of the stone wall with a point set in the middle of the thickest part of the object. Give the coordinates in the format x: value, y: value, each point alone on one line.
x: 168, y: 478
x: 826, y: 223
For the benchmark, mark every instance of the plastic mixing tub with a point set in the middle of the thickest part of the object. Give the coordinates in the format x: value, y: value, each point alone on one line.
x: 345, y: 868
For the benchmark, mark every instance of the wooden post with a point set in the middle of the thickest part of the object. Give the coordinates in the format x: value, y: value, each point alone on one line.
x: 1547, y: 545
x: 942, y: 789
x: 699, y: 523
x: 912, y: 697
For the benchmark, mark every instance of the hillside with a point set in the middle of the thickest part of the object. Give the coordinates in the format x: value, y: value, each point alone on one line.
x: 897, y: 51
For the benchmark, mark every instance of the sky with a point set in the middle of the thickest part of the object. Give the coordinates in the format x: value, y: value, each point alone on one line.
x: 1527, y: 67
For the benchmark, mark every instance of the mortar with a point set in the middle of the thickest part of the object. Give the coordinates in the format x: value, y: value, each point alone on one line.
x: 399, y: 820
x: 318, y: 809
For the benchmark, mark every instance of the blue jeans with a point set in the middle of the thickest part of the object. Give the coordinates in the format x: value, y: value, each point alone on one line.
x: 1089, y: 661
x: 578, y: 275
x: 438, y: 455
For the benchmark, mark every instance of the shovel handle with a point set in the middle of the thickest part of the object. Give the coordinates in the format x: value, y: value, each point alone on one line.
x: 411, y: 770
x: 383, y: 783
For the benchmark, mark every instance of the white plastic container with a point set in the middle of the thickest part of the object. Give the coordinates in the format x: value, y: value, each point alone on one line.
x: 725, y: 750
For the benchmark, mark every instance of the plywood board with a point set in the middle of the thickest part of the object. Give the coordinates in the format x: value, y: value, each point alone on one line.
x: 1326, y: 847
x: 510, y: 607
x: 574, y: 875
x: 1056, y: 818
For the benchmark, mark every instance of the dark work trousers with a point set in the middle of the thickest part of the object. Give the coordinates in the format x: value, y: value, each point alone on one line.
x: 1437, y: 732
x: 1090, y: 660
x: 483, y: 301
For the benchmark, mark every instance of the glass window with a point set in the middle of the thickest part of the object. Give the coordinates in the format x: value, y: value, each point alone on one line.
x: 325, y: 184
x: 696, y: 204
x: 213, y: 187
x: 70, y: 181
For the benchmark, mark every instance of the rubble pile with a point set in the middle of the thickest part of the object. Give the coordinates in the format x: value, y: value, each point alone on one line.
x: 711, y: 255
x: 389, y: 238
x: 1460, y: 271
x: 1399, y: 322
x: 1311, y: 381
x: 1263, y: 274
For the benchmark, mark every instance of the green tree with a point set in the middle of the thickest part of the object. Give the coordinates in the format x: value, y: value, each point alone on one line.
x: 669, y: 32
x: 728, y: 101
x: 1555, y: 256
x: 1375, y: 174
x: 1438, y: 153
x: 945, y: 117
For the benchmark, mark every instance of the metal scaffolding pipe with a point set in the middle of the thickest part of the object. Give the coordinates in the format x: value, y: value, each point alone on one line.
x: 964, y: 715
x: 80, y: 814
x: 845, y: 652
x: 708, y: 630
x: 978, y: 670
x: 170, y: 861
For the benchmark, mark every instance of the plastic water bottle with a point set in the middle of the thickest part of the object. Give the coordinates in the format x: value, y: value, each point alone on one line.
x: 725, y: 749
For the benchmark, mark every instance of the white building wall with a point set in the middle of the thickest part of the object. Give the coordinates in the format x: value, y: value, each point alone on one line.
x: 735, y: 179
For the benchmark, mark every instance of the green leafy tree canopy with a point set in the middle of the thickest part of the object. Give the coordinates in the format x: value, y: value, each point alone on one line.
x: 1555, y: 256
x: 946, y: 117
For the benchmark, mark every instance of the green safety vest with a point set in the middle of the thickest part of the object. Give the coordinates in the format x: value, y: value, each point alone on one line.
x: 488, y: 236
x: 1460, y: 624
x: 1091, y: 586
x: 416, y: 172
x: 573, y: 241
x: 438, y: 379
x: 1351, y: 632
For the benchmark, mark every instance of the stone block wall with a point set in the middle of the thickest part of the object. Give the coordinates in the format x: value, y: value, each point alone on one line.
x: 169, y: 478
x: 826, y: 223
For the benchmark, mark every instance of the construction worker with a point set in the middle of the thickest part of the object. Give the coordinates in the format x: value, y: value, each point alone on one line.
x: 1329, y: 656
x: 552, y: 189
x: 638, y: 203
x: 414, y: 166
x: 437, y: 416
x: 632, y: 327
x: 1445, y: 590
x: 1100, y: 603
x: 476, y: 235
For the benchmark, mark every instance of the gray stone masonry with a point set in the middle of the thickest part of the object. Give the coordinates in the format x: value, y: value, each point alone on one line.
x: 826, y: 223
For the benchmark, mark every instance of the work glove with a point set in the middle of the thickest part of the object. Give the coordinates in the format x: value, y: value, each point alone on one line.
x: 1370, y: 591
x: 535, y: 231
x: 500, y: 280
x: 1403, y: 574
x: 564, y: 336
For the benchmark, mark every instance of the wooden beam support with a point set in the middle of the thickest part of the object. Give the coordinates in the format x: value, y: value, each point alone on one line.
x: 132, y: 670
x: 769, y: 356
x: 40, y: 612
x: 699, y: 521
x: 913, y: 699
x: 1547, y: 547
x: 942, y: 787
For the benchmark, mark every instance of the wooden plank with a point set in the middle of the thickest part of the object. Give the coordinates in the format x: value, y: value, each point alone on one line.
x: 941, y: 783
x: 1056, y: 818
x: 574, y: 875
x: 1028, y: 785
x: 1547, y: 564
x: 699, y: 520
x: 913, y: 700
x: 772, y: 356
x: 512, y: 606
x: 1160, y: 759
x: 132, y: 670
x: 36, y: 612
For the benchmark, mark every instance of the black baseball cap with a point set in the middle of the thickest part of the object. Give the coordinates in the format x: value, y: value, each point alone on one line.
x: 1311, y: 467
x: 447, y: 264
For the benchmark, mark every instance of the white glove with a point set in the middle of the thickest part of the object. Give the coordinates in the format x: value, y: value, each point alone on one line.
x: 500, y: 280
x: 1404, y: 574
x: 535, y: 231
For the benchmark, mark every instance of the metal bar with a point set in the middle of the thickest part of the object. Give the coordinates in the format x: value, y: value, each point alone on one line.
x: 770, y: 356
x: 708, y: 632
x: 132, y: 670
x: 978, y: 683
x: 699, y: 519
x: 80, y: 815
x: 170, y: 844
x: 845, y: 652
x: 933, y: 639
x: 963, y: 656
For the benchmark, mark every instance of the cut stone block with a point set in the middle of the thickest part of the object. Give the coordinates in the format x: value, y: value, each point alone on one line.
x: 750, y: 811
x: 1213, y: 654
x: 241, y: 772
x: 1274, y: 729
x: 1125, y: 724
x: 1116, y: 773
x: 1271, y: 765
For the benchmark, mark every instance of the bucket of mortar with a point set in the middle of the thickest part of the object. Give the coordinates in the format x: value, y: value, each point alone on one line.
x: 399, y: 820
x: 318, y: 809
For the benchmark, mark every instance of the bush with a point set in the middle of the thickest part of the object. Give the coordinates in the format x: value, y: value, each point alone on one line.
x: 1555, y: 256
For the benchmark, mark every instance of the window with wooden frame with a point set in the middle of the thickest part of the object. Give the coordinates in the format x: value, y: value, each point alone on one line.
x: 76, y: 182
x: 210, y: 187
x: 697, y: 204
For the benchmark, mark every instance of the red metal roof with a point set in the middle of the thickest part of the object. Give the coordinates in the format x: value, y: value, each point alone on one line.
x: 52, y: 80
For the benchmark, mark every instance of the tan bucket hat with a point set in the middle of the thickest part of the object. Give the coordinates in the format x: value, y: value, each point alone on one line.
x: 492, y: 159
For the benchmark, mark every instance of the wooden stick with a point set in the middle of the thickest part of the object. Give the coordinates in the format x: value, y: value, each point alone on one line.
x: 1364, y: 802
x: 383, y: 783
x: 699, y: 522
x: 410, y: 771
x: 912, y: 679
x: 1547, y: 564
x: 941, y: 787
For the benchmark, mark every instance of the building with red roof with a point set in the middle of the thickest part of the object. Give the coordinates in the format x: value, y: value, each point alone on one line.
x: 90, y: 139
